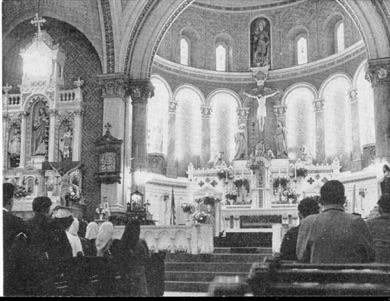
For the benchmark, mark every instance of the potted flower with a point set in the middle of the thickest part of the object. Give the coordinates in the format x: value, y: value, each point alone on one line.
x: 201, y: 217
x: 240, y: 182
x: 188, y: 209
x: 101, y: 211
x: 20, y: 192
x: 280, y: 181
x: 223, y: 174
x: 292, y: 196
x: 302, y: 172
x: 231, y: 195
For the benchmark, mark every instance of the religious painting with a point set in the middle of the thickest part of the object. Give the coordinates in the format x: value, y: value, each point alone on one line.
x: 260, y: 35
x: 66, y: 142
x: 40, y: 130
x: 14, y: 145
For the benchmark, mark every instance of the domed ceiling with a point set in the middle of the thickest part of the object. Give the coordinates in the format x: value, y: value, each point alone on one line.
x: 234, y: 5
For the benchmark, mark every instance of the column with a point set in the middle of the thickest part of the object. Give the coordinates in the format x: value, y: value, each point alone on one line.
x: 378, y: 74
x: 52, y: 133
x: 6, y: 90
x: 206, y: 112
x: 320, y: 129
x: 356, y: 163
x: 171, y: 156
x: 140, y: 91
x: 114, y: 87
x: 23, y: 138
x: 77, y: 132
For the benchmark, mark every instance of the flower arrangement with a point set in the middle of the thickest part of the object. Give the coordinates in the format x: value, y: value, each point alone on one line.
x: 240, y: 182
x: 223, y: 174
x: 101, y: 210
x: 19, y: 192
x: 208, y: 200
x: 188, y: 208
x: 231, y: 195
x: 73, y: 193
x: 280, y: 181
x: 302, y: 172
x: 201, y: 217
x: 291, y: 194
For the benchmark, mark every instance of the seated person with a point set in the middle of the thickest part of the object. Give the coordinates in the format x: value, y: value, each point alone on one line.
x: 380, y: 230
x: 306, y: 207
x: 334, y: 236
x: 90, y: 239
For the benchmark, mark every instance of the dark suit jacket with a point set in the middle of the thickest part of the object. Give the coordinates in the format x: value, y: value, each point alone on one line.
x: 12, y: 226
x: 288, y: 249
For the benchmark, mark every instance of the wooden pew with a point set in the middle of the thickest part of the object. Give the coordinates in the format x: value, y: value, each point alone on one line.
x: 287, y: 278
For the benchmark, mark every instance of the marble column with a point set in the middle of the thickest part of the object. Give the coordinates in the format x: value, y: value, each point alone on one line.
x: 171, y: 156
x: 140, y: 91
x: 77, y: 132
x: 206, y: 112
x: 378, y: 74
x: 52, y: 133
x: 23, y: 133
x: 356, y: 163
x: 114, y: 87
x: 320, y: 129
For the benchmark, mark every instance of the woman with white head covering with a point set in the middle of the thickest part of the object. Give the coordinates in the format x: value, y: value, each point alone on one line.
x: 104, y: 239
x: 73, y: 238
x: 90, y: 239
x: 92, y: 231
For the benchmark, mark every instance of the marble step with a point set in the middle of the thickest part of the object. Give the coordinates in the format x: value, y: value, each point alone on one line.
x: 188, y: 276
x: 234, y: 258
x: 243, y: 250
x: 208, y: 267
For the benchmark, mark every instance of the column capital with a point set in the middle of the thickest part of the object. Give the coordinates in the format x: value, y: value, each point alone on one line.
x: 280, y: 111
x: 318, y: 104
x: 141, y: 90
x: 114, y: 84
x: 353, y: 95
x: 172, y: 106
x: 206, y: 111
x: 243, y: 112
x: 378, y: 71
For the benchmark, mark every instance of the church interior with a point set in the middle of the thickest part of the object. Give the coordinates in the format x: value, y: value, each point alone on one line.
x: 209, y: 121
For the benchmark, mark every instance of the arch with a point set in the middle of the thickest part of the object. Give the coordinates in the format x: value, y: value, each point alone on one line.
x: 308, y: 86
x: 160, y: 78
x: 293, y: 36
x: 330, y: 78
x: 329, y: 27
x: 227, y: 42
x: 192, y: 87
x: 230, y: 92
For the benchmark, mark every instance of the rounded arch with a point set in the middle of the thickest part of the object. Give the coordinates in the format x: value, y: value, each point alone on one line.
x: 164, y: 81
x: 308, y: 86
x: 363, y: 65
x: 227, y: 91
x: 331, y: 78
x: 191, y: 87
x: 329, y: 45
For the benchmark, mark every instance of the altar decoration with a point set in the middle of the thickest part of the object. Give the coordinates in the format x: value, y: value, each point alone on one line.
x: 19, y: 192
x: 242, y: 182
x: 280, y: 181
x: 101, y: 211
x: 301, y: 172
x: 188, y: 208
x: 201, y: 217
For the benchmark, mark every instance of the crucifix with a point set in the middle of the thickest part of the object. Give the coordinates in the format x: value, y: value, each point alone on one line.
x: 37, y: 22
x: 108, y: 126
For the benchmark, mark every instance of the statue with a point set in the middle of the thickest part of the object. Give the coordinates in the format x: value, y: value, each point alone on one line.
x: 306, y: 154
x: 261, y: 109
x: 270, y: 154
x: 216, y: 161
x: 41, y: 122
x: 281, y: 141
x: 14, y: 143
x: 66, y: 143
x: 260, y: 44
x: 241, y: 143
x: 260, y: 149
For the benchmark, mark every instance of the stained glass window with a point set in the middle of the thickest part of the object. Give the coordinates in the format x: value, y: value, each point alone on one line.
x: 339, y: 29
x: 158, y: 117
x: 300, y: 121
x: 184, y: 51
x: 302, y: 50
x: 188, y: 127
x: 220, y: 53
x: 366, y: 108
x: 337, y: 118
x: 223, y: 125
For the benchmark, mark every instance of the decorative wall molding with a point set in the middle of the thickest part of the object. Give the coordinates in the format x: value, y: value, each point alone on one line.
x: 318, y: 104
x: 113, y: 85
x: 108, y: 32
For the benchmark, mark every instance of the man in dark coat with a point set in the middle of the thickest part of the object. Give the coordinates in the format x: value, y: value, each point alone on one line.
x: 14, y: 230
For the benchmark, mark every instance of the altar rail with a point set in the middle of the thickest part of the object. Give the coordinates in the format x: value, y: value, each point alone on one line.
x: 195, y: 239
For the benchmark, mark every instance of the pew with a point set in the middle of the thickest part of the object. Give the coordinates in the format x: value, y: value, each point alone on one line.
x: 287, y: 278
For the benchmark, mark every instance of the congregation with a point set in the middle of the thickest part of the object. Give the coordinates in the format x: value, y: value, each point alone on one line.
x: 33, y: 249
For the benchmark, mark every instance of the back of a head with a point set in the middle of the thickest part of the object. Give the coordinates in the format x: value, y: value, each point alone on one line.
x: 308, y: 206
x: 92, y: 230
x: 105, y: 235
x: 131, y: 234
x: 332, y: 192
x: 41, y: 204
x: 8, y: 193
x: 384, y: 203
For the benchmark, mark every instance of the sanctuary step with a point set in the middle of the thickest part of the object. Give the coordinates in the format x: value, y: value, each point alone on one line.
x: 244, y: 239
x: 194, y: 273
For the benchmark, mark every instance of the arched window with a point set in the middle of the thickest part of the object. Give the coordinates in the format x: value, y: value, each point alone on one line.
x: 366, y: 108
x: 223, y: 125
x: 158, y: 117
x: 184, y: 51
x: 188, y: 128
x: 300, y: 121
x: 337, y: 118
x: 301, y: 50
x: 339, y: 34
x: 220, y: 54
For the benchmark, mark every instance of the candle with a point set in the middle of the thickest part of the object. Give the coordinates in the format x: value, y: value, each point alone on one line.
x: 279, y: 172
x: 295, y: 172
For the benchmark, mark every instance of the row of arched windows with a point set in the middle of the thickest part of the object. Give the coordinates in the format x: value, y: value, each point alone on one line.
x: 300, y: 118
x: 299, y: 38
